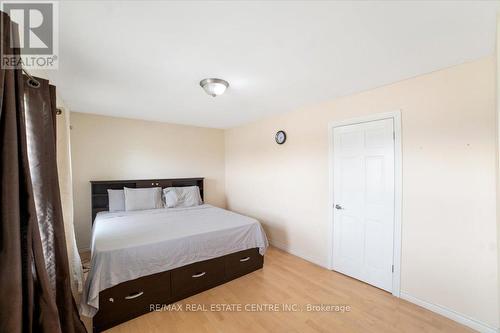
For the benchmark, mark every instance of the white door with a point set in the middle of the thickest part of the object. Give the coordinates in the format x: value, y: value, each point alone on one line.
x: 363, y: 185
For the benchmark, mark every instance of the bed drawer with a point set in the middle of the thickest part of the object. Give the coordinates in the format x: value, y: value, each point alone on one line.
x: 134, y: 296
x: 243, y: 262
x: 199, y: 276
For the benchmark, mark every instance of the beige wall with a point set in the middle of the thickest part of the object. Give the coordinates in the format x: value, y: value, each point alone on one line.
x: 105, y: 148
x: 449, y: 250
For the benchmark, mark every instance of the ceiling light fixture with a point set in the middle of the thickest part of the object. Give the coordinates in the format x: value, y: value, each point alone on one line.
x: 214, y: 87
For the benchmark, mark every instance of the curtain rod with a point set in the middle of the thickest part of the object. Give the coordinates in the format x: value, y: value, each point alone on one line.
x: 34, y: 83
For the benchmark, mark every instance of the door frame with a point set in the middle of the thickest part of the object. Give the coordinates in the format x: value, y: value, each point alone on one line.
x: 396, y: 117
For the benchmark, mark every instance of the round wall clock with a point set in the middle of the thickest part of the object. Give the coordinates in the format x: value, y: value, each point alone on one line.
x: 280, y: 137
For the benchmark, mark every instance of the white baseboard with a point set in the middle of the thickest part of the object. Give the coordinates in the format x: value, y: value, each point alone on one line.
x: 296, y: 253
x: 451, y: 314
x: 448, y: 313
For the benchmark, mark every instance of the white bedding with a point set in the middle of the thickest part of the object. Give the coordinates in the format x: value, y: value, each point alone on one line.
x: 129, y: 245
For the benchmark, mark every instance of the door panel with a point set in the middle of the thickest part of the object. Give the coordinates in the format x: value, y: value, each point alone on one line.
x: 363, y: 175
x: 351, y: 244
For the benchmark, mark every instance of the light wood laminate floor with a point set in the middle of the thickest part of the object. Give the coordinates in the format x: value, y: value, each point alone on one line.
x: 287, y: 279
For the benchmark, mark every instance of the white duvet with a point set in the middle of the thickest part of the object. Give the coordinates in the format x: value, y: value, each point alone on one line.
x: 129, y: 245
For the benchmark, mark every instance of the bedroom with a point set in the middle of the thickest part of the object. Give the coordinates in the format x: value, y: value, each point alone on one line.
x: 252, y: 210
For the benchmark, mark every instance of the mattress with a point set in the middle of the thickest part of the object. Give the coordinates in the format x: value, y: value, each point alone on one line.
x: 129, y: 245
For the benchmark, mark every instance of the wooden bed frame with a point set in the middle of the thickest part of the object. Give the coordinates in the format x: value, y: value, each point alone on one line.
x: 133, y: 298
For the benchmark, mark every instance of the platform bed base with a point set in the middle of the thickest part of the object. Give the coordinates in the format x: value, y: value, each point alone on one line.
x: 133, y: 298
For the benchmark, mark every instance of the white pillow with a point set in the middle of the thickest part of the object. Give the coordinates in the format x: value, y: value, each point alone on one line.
x: 171, y: 199
x: 116, y: 199
x: 142, y: 198
x: 187, y: 196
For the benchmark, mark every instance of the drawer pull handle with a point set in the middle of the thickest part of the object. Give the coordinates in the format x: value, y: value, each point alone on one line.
x: 199, y: 275
x: 244, y: 259
x: 139, y: 294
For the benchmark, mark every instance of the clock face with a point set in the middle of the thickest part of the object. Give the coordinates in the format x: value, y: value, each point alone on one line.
x: 280, y: 137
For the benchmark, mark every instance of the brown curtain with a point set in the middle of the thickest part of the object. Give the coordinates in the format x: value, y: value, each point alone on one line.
x: 34, y: 275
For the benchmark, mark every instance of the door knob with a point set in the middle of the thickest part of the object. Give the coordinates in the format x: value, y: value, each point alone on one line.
x: 338, y: 207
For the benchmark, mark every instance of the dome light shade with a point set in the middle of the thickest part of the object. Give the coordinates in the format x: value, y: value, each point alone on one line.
x: 214, y: 87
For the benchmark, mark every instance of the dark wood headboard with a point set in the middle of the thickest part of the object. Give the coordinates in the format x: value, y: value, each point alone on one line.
x: 99, y: 189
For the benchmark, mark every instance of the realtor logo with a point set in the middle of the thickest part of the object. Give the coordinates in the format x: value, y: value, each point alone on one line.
x: 38, y: 34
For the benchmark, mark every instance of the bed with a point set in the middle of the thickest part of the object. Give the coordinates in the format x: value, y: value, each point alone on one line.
x: 159, y: 256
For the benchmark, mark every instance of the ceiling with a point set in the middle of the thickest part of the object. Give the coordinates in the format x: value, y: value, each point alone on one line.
x: 144, y: 60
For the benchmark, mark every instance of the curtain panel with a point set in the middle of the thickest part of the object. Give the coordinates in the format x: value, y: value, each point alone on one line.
x: 34, y: 274
x: 66, y: 188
